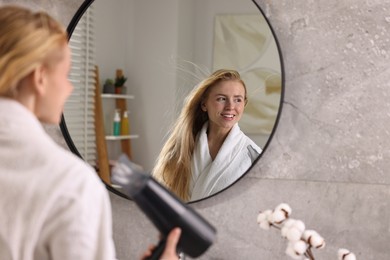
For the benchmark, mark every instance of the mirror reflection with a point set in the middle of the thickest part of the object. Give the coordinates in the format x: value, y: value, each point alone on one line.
x: 207, y: 151
x: 160, y: 61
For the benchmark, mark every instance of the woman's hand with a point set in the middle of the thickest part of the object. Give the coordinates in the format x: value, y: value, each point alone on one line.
x: 170, y: 247
x: 170, y: 252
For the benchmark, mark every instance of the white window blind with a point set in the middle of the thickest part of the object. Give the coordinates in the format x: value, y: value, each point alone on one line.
x: 79, y: 109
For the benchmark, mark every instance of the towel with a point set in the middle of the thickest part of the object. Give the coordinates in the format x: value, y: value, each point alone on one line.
x: 234, y: 158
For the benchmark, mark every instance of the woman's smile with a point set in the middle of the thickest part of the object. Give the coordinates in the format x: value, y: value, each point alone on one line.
x: 228, y: 117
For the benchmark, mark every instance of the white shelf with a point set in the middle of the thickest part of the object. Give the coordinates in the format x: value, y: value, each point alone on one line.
x: 120, y: 137
x: 116, y: 186
x: 124, y: 96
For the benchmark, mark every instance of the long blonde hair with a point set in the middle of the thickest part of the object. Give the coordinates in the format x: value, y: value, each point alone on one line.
x: 173, y: 166
x: 27, y: 40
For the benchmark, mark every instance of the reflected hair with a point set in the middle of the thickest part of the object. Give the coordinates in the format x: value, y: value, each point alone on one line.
x: 27, y: 40
x: 173, y: 165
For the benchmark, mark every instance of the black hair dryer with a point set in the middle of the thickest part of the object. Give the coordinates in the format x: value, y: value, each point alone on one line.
x: 164, y: 209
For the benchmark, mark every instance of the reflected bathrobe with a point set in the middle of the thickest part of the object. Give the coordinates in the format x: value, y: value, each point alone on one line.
x: 234, y: 158
x: 53, y: 205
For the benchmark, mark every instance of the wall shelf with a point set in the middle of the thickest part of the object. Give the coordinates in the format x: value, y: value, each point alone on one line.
x: 120, y: 101
x: 121, y: 137
x: 117, y: 96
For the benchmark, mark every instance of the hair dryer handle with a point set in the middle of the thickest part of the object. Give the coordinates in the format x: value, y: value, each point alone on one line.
x: 158, y: 250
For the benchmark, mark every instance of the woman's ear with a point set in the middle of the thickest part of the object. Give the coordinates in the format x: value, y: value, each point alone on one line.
x: 39, y: 80
x: 203, y: 106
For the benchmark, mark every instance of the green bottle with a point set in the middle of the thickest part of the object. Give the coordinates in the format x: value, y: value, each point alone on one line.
x: 117, y: 123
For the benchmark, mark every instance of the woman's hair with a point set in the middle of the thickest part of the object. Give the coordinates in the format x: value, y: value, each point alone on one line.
x: 173, y: 167
x: 27, y: 40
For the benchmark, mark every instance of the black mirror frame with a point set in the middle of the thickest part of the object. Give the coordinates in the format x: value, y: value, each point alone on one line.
x: 84, y: 6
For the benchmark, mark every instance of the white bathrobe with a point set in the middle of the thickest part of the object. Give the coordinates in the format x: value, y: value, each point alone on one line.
x: 234, y: 158
x: 53, y: 205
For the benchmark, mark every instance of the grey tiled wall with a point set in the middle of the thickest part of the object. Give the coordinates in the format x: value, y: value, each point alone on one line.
x: 329, y: 158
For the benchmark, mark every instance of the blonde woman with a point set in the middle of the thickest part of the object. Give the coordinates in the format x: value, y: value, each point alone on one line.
x: 206, y: 150
x: 53, y: 204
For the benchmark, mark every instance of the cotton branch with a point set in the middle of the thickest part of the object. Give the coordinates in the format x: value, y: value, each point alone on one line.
x: 301, y: 241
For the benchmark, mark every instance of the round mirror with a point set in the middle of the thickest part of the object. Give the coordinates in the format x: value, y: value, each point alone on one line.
x: 136, y: 61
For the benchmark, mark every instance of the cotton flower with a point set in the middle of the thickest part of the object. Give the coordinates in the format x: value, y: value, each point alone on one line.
x: 287, y: 224
x: 265, y: 225
x: 278, y: 217
x: 294, y: 234
x: 299, y: 247
x: 313, y: 239
x: 263, y: 216
x: 293, y: 229
x: 263, y: 219
x: 280, y: 214
x: 296, y: 249
x: 350, y: 256
x: 345, y: 254
x: 290, y: 252
x: 284, y: 207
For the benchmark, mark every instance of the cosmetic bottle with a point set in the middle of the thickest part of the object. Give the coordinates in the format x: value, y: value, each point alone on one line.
x: 125, y: 123
x: 117, y: 123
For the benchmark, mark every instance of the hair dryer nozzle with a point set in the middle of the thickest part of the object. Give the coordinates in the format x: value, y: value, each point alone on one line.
x: 164, y: 209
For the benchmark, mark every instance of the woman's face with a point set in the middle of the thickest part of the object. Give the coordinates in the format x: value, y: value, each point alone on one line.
x: 57, y: 91
x: 225, y: 104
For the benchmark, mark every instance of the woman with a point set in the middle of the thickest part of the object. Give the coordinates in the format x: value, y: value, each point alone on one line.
x: 206, y: 151
x: 53, y: 204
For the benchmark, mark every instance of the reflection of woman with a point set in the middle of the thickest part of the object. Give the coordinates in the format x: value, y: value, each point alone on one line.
x: 207, y: 151
x: 53, y: 204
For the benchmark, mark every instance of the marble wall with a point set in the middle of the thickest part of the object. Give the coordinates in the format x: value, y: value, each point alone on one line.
x: 329, y: 155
